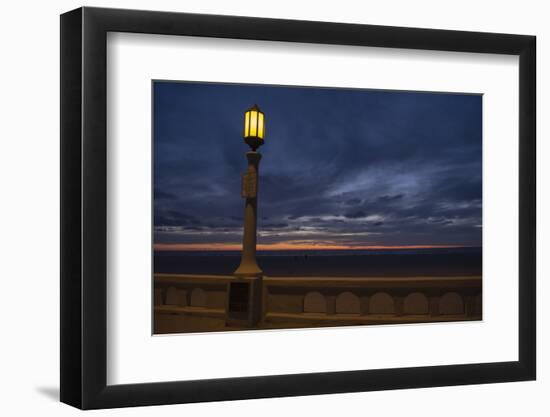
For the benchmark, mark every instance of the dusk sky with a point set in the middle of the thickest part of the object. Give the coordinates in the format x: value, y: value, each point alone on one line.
x: 341, y: 168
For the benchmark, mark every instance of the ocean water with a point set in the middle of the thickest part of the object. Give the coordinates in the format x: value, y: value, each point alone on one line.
x: 390, y: 262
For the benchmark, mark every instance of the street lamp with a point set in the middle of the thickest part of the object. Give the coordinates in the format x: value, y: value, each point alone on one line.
x: 254, y: 127
x: 254, y: 131
x: 244, y: 306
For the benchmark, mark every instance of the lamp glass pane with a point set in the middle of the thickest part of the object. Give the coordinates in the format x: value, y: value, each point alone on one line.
x: 247, y: 124
x: 253, y: 123
x: 261, y: 125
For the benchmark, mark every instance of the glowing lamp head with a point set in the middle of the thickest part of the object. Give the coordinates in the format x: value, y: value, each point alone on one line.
x: 254, y: 127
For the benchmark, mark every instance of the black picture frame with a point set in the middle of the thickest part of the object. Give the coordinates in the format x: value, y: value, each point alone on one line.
x: 84, y: 206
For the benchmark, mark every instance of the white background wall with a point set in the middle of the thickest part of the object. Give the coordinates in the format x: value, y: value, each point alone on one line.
x: 29, y: 237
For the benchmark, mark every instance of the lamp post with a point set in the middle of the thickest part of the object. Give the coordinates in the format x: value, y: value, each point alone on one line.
x: 254, y: 130
x: 244, y: 307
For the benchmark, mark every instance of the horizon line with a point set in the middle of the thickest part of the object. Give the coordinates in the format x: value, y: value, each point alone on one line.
x: 203, y: 247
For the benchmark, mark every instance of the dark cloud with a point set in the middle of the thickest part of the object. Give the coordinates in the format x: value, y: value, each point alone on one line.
x: 389, y: 198
x: 355, y: 214
x: 349, y: 166
x: 352, y: 202
x: 160, y: 195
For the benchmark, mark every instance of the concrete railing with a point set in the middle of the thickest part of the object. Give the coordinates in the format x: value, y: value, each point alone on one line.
x: 372, y: 300
x: 200, y: 302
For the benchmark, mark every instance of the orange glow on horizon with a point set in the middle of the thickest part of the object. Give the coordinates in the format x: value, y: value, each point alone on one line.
x: 288, y: 246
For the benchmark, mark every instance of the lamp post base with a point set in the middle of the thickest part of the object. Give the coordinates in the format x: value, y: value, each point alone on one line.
x: 244, y: 306
x: 246, y: 270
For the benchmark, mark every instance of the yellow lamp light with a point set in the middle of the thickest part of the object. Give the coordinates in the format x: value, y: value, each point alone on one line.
x: 254, y: 127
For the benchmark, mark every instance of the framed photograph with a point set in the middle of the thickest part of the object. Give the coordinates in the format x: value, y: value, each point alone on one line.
x: 258, y: 208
